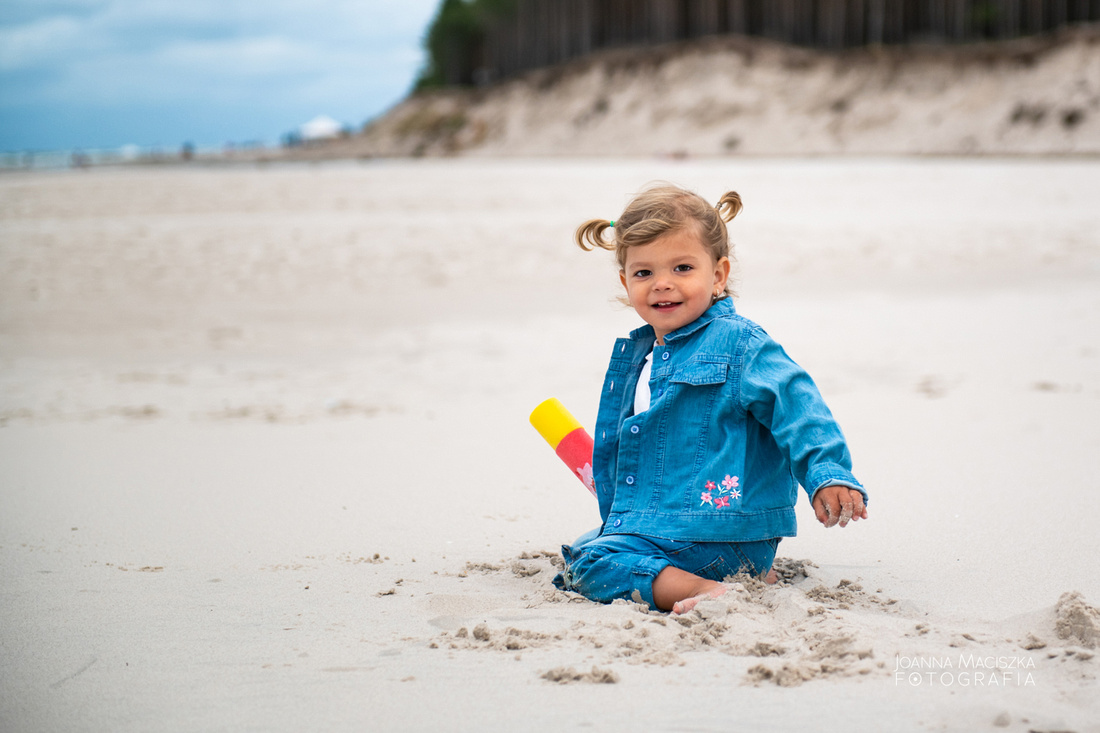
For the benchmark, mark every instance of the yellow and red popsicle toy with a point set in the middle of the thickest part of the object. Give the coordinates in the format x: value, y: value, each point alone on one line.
x: 567, y: 437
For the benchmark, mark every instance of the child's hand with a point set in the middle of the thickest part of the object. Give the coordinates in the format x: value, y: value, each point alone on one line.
x: 838, y: 503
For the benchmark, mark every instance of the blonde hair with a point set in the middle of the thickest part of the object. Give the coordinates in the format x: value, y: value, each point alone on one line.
x: 657, y: 210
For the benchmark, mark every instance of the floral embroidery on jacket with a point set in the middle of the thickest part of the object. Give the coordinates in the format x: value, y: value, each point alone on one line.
x: 729, y: 490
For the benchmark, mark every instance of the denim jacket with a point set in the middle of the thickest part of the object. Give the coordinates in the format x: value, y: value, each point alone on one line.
x: 734, y: 425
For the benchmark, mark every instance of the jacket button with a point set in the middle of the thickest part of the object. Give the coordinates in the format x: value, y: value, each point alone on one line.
x: 665, y: 356
x: 618, y: 522
x: 634, y: 429
x: 630, y: 480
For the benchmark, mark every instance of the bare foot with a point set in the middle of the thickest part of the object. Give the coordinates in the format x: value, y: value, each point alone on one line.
x: 689, y: 603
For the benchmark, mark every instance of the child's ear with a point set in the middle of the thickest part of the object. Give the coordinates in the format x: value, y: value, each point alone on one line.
x: 721, y: 271
x: 622, y: 277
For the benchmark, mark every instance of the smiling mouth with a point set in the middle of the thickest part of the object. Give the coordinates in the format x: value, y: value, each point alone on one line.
x: 664, y: 306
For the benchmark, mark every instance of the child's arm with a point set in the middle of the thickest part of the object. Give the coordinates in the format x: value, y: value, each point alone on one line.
x: 782, y: 397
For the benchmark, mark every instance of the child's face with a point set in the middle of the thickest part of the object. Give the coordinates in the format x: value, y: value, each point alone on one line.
x: 671, y: 281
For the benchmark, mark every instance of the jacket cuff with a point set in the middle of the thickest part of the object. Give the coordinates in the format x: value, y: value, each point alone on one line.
x: 836, y: 476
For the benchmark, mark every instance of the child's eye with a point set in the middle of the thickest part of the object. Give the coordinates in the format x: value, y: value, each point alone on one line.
x: 642, y: 273
x: 684, y: 268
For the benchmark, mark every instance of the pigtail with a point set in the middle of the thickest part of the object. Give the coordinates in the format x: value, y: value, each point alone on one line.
x: 729, y: 206
x: 589, y: 235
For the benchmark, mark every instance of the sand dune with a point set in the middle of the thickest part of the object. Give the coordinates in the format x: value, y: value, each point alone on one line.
x: 739, y: 96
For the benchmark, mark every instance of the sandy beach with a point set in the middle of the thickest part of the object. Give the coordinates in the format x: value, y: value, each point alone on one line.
x: 265, y: 461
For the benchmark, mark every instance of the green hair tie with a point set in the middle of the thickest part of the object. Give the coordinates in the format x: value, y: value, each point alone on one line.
x: 611, y: 223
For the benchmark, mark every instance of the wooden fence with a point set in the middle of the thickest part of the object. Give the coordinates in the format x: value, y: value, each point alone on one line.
x: 539, y: 33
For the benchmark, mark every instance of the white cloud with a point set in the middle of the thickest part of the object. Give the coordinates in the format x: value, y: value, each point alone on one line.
x: 37, y: 44
x: 271, y: 54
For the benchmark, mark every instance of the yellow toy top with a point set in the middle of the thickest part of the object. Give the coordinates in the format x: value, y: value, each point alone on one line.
x: 553, y: 421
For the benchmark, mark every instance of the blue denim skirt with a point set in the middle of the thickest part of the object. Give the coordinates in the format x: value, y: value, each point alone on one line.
x: 603, y: 568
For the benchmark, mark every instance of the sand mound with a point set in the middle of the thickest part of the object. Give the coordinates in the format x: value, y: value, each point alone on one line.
x: 804, y: 628
x: 1076, y: 620
x: 565, y: 675
x: 724, y: 96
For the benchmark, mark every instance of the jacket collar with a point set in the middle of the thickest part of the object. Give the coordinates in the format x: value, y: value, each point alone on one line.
x: 721, y: 309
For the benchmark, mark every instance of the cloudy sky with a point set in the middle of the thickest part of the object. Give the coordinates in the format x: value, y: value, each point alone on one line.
x: 106, y: 73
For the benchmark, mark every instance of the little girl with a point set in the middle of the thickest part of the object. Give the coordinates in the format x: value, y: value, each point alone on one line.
x: 705, y: 428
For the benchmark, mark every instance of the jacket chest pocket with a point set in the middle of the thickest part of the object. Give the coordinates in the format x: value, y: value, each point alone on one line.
x: 699, y: 374
x: 697, y: 386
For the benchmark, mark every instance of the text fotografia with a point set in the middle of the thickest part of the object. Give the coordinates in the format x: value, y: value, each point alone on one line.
x: 965, y: 670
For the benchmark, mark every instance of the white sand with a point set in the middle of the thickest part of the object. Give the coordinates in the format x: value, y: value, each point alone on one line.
x: 265, y: 461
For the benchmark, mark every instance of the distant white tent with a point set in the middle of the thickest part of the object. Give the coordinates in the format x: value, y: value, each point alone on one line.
x: 320, y: 128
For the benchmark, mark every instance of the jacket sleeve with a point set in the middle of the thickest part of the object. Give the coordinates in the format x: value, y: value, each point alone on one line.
x: 781, y: 396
